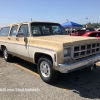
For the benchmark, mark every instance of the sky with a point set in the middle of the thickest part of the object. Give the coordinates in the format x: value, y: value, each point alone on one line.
x: 13, y: 11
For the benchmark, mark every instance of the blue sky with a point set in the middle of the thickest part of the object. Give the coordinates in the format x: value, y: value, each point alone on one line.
x: 12, y: 11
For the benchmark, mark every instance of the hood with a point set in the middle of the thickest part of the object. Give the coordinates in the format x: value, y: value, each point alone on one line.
x: 68, y: 39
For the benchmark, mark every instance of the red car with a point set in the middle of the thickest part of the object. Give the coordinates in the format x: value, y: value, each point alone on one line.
x: 86, y: 33
x: 92, y: 34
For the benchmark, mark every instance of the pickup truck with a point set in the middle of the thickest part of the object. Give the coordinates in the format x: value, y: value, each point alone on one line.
x: 52, y: 51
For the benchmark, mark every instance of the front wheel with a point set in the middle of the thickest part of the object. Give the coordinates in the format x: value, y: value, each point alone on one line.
x: 6, y: 56
x: 46, y: 70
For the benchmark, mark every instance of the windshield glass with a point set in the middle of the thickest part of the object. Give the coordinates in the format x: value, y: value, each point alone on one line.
x: 41, y: 29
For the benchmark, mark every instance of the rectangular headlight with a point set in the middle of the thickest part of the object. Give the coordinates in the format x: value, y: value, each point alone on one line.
x: 67, y: 51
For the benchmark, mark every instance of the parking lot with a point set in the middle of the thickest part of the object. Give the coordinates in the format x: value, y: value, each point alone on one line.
x: 19, y: 80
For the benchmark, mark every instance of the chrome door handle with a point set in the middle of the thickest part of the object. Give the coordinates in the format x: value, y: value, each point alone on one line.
x: 9, y: 38
x: 17, y: 39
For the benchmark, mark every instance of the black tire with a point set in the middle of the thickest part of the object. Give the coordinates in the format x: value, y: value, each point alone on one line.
x: 53, y: 73
x: 90, y: 68
x: 6, y: 56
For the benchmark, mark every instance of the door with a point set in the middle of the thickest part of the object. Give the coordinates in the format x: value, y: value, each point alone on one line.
x: 22, y: 43
x: 12, y: 39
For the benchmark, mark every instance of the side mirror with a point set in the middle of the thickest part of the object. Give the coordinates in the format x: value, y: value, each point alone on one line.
x: 19, y: 34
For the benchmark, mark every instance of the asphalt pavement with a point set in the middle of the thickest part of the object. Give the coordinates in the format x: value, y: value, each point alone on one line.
x: 19, y: 80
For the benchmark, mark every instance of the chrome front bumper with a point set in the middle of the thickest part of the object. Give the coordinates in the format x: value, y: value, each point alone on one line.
x: 65, y: 68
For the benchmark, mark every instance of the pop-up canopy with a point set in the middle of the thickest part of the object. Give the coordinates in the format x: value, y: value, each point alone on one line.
x: 71, y: 24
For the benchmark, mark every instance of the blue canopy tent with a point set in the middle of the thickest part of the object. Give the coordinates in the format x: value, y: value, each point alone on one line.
x: 71, y: 24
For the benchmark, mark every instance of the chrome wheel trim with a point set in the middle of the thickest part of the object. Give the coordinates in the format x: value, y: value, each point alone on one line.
x: 45, y: 69
x: 5, y: 54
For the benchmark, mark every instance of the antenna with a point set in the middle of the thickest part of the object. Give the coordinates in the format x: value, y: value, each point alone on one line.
x: 31, y: 19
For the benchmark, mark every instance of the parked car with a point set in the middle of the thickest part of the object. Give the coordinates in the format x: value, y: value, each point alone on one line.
x: 86, y: 33
x: 47, y: 45
x: 92, y: 34
x: 81, y: 32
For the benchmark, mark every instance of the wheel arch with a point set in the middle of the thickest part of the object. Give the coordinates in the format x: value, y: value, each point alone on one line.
x: 2, y: 47
x: 38, y: 55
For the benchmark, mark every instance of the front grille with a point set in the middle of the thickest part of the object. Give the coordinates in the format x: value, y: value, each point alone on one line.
x: 86, y: 50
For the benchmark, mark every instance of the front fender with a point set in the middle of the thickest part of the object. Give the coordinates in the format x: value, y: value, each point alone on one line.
x: 34, y: 50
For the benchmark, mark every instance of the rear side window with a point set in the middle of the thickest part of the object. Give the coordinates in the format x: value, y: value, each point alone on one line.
x: 4, y: 31
x: 13, y: 30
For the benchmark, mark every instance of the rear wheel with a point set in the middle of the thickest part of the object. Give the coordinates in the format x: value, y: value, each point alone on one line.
x: 6, y: 56
x: 46, y: 70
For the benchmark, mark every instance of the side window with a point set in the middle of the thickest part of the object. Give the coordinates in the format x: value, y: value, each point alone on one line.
x: 13, y: 30
x: 24, y: 29
x: 5, y: 31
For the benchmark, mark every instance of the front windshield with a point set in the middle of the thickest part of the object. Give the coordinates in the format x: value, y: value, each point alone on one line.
x: 41, y: 29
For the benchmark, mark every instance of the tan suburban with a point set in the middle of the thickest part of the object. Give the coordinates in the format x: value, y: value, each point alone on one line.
x: 48, y: 45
